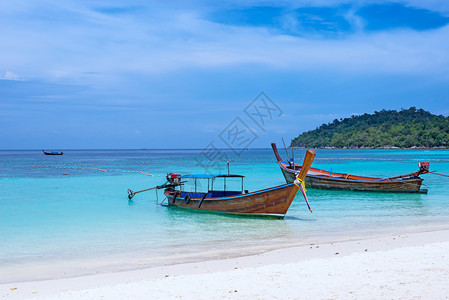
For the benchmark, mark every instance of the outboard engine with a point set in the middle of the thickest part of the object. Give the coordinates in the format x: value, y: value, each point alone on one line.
x: 173, y: 178
x: 423, y: 167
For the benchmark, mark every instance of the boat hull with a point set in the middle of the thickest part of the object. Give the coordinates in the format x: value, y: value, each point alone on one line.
x: 322, y: 179
x: 52, y: 153
x: 272, y: 202
x: 321, y: 182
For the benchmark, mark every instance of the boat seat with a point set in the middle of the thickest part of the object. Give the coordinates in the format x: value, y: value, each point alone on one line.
x: 224, y: 194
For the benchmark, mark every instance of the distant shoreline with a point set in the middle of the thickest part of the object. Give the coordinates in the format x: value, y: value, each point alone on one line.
x: 386, y: 129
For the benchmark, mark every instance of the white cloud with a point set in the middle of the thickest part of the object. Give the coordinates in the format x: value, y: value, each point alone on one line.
x: 167, y: 40
x: 10, y: 76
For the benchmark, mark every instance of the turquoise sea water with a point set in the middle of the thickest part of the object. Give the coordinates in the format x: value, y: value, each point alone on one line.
x: 56, y: 225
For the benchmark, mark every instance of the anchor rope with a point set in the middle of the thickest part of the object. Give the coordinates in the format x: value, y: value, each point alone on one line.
x: 432, y: 172
x: 76, y: 167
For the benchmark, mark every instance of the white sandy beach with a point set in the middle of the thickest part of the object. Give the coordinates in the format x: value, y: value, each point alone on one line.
x: 409, y: 266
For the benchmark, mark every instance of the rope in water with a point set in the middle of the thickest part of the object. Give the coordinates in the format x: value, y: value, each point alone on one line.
x: 90, y: 169
x: 432, y: 172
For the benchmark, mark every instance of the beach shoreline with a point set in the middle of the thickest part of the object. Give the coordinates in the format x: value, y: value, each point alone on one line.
x: 45, y: 270
x: 419, y: 255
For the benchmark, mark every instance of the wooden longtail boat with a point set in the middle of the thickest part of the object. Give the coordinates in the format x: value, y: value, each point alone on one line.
x: 52, y: 152
x: 272, y: 202
x: 316, y: 178
x: 218, y: 198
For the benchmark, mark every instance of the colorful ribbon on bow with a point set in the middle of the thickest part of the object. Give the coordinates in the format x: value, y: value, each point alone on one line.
x: 302, y: 187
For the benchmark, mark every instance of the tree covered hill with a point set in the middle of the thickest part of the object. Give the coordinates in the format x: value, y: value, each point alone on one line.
x: 387, y: 128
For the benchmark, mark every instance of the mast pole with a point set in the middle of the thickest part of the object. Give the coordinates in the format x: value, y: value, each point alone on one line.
x: 289, y: 162
x: 293, y: 155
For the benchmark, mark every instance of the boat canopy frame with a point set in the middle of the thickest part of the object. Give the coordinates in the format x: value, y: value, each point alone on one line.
x: 211, y: 178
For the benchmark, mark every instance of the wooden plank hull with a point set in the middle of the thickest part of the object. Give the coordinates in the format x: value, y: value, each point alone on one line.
x: 321, y: 182
x: 322, y: 179
x: 272, y: 202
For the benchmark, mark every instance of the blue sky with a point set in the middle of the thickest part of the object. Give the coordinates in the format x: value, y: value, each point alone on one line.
x: 141, y: 74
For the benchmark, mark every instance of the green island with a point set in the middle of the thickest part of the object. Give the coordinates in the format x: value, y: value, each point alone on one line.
x: 408, y: 128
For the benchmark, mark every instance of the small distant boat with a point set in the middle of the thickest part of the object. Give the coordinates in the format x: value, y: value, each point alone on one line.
x: 52, y: 152
x: 217, y: 197
x: 316, y: 178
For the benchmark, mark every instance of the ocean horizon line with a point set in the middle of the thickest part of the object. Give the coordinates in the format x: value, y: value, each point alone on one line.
x: 227, y: 148
x: 130, y: 149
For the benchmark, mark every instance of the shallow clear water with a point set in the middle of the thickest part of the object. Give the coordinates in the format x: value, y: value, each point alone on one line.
x: 55, y: 225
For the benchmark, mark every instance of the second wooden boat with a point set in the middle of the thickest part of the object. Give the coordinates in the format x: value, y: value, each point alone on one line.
x: 317, y: 178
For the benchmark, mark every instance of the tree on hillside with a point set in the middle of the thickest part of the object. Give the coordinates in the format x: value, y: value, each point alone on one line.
x: 386, y: 128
